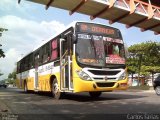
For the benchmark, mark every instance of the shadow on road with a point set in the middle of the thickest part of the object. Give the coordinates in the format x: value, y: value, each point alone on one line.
x: 80, y: 97
x: 80, y: 103
x: 84, y: 97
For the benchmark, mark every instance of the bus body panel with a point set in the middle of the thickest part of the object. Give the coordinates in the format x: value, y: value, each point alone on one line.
x: 44, y: 76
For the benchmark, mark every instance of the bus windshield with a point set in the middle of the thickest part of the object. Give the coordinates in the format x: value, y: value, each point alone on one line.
x: 98, y: 50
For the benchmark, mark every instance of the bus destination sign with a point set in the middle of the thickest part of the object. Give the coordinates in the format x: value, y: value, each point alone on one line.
x: 95, y: 28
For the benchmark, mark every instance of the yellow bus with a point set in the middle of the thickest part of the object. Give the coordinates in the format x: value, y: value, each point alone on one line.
x: 85, y: 57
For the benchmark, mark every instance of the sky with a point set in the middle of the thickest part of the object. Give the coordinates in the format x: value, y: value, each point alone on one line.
x: 29, y: 24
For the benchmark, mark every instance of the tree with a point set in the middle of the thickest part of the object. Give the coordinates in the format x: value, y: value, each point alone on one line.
x: 2, y: 30
x: 1, y: 51
x: 144, y: 58
x: 152, y: 70
x: 149, y: 51
x: 131, y: 63
x: 12, y: 77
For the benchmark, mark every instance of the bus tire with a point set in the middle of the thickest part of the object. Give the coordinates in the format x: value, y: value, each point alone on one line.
x: 56, y: 93
x: 95, y: 94
x: 25, y: 87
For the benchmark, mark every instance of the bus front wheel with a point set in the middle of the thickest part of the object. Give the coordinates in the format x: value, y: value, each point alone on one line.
x: 95, y: 94
x: 55, y: 90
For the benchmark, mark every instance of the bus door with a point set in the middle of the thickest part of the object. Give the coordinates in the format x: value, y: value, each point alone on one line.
x: 36, y: 64
x: 65, y: 64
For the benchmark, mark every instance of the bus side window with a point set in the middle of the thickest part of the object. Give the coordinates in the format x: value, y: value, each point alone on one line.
x: 46, y: 53
x: 40, y: 59
x: 36, y: 59
x: 25, y: 65
x: 31, y: 61
x: 22, y: 65
x: 18, y: 67
x: 54, y: 50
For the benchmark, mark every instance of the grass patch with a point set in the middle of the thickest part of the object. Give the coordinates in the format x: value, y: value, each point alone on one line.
x: 142, y: 87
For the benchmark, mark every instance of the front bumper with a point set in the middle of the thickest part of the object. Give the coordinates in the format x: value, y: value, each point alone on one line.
x: 104, y: 86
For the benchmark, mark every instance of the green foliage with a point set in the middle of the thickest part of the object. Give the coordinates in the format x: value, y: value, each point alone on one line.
x: 151, y: 69
x: 132, y: 65
x: 144, y: 58
x: 12, y: 75
x: 11, y: 81
x: 12, y: 78
x: 3, y: 29
x: 1, y: 51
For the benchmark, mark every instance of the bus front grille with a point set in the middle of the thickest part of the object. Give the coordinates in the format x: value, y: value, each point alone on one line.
x: 109, y: 84
x: 98, y: 78
x: 101, y: 72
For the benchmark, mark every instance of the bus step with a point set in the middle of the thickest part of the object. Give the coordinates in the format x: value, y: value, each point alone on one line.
x: 64, y: 89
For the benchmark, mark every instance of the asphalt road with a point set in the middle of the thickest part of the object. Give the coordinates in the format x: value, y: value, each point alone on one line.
x: 128, y: 104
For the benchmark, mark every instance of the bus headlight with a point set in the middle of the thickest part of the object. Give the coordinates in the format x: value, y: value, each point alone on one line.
x: 123, y: 76
x: 83, y: 75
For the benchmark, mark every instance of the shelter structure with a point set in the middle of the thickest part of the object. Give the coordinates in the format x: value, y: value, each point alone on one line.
x: 144, y: 14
